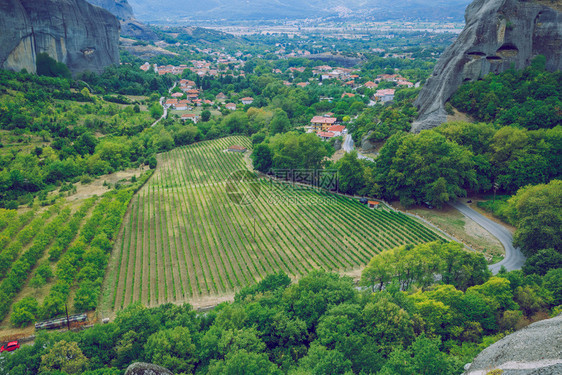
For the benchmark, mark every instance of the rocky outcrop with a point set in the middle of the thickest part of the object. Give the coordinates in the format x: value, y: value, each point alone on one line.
x: 497, y: 35
x: 366, y: 143
x: 119, y: 8
x: 17, y: 45
x: 130, y: 26
x: 536, y: 349
x: 73, y: 32
x: 141, y: 368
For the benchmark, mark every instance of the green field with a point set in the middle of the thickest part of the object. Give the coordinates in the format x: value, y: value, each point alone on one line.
x: 183, y: 238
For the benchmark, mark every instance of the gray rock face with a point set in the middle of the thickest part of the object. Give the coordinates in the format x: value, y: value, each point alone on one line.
x: 119, y: 8
x: 337, y: 144
x: 17, y: 45
x: 366, y: 144
x: 130, y: 26
x: 135, y: 29
x: 534, y: 350
x: 74, y: 32
x: 141, y: 368
x: 498, y: 34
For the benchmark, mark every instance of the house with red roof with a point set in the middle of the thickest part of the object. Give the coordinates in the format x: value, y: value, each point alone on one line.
x: 190, y: 116
x: 230, y: 106
x: 247, y: 100
x: 370, y: 85
x: 336, y: 129
x: 170, y: 103
x: 384, y: 96
x: 322, y: 122
x: 325, y: 135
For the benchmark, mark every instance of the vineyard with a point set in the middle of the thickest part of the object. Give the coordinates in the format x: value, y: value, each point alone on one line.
x: 54, y: 257
x: 185, y: 238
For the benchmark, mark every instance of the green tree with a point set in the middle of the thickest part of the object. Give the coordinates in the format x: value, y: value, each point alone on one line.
x: 350, y: 173
x: 156, y: 110
x: 25, y: 312
x: 553, y: 282
x: 279, y: 123
x: 320, y: 361
x: 205, y: 115
x: 424, y: 167
x: 242, y: 362
x: 172, y: 349
x: 64, y: 356
x: 537, y: 214
x: 543, y: 261
x: 262, y: 158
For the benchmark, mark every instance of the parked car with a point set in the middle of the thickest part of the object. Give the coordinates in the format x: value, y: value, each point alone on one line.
x: 10, y: 347
x: 363, y: 200
x: 428, y: 205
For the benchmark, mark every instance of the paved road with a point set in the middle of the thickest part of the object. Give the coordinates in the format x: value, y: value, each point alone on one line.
x: 348, y: 146
x: 162, y: 104
x: 514, y: 258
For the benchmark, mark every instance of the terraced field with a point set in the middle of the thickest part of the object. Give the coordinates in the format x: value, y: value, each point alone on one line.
x: 186, y: 237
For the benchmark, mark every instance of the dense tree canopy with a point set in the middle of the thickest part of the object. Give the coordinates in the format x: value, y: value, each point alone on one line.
x: 537, y: 213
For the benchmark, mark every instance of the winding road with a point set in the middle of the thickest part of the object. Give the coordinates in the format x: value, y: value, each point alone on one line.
x: 348, y: 146
x: 514, y: 258
x: 165, y: 113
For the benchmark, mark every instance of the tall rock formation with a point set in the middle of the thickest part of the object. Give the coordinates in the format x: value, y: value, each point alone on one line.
x: 74, y: 32
x: 119, y: 8
x: 130, y: 26
x: 497, y: 35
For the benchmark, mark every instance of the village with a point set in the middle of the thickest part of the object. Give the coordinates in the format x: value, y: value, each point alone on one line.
x: 188, y: 100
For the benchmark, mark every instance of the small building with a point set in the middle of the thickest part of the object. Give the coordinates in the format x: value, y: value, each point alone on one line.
x: 190, y: 116
x: 322, y: 122
x: 181, y: 106
x: 325, y: 135
x: 221, y: 96
x: 347, y: 95
x: 247, y: 100
x: 370, y: 85
x: 236, y: 148
x: 230, y: 106
x: 177, y: 95
x: 374, y: 204
x: 384, y: 96
x: 170, y: 103
x: 338, y: 130
x: 405, y: 83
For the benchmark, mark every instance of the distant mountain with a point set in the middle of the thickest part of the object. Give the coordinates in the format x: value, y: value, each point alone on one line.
x: 155, y: 10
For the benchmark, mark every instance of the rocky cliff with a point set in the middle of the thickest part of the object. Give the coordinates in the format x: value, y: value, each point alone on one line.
x: 74, y: 32
x: 497, y: 35
x: 130, y: 26
x: 534, y: 350
x: 119, y: 8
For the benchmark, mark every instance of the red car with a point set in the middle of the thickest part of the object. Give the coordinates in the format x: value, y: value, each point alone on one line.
x: 10, y: 347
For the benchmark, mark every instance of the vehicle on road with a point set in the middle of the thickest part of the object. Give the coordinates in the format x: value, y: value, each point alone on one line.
x: 10, y: 347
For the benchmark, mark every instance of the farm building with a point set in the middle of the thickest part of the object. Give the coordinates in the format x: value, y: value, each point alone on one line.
x: 374, y: 204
